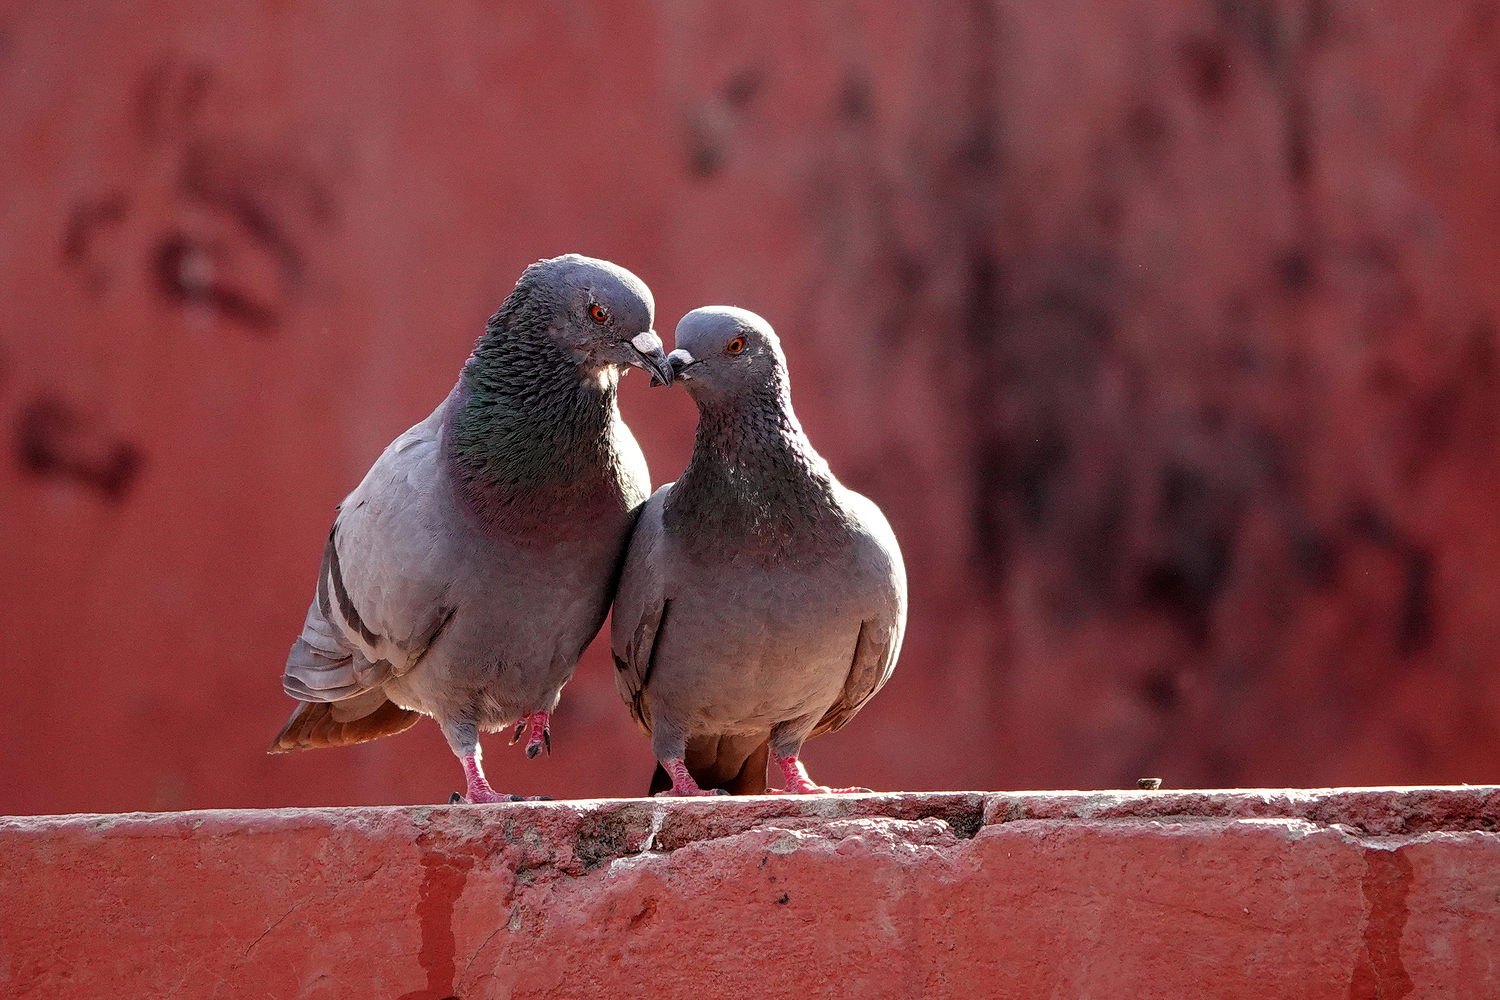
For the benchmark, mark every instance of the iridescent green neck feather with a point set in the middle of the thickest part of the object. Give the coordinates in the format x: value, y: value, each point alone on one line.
x: 530, y: 434
x: 755, y: 486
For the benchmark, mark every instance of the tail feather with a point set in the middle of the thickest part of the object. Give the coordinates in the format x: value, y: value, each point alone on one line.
x: 718, y: 764
x: 317, y: 724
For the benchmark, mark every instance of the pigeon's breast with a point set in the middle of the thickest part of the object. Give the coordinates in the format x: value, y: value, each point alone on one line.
x: 524, y: 611
x: 775, y: 645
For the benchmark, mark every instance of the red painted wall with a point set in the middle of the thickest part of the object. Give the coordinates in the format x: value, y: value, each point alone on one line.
x: 1273, y: 894
x: 1165, y: 333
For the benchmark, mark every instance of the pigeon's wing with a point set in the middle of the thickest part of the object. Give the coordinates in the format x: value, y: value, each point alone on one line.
x: 883, y: 575
x: 640, y: 609
x: 382, y: 588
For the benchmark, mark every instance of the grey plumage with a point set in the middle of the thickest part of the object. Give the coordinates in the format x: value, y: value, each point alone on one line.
x: 761, y: 602
x: 467, y: 572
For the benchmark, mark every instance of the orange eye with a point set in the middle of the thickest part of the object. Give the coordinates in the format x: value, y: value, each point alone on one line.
x: 600, y: 314
x: 736, y: 345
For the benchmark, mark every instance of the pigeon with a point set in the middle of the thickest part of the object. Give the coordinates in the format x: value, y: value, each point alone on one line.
x: 467, y: 572
x: 761, y: 602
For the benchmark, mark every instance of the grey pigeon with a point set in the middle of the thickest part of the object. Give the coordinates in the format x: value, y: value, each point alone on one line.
x: 761, y: 602
x: 467, y: 572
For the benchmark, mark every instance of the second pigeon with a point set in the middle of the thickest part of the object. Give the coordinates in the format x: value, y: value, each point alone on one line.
x: 761, y: 602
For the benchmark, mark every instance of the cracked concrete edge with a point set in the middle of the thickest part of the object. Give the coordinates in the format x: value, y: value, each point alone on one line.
x: 1367, y: 811
x: 612, y: 827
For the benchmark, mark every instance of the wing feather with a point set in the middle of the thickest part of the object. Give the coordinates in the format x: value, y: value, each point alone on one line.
x: 640, y: 610
x: 380, y: 602
x: 878, y: 642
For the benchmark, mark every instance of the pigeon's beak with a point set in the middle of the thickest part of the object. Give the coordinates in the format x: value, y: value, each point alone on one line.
x: 680, y: 359
x: 653, y: 360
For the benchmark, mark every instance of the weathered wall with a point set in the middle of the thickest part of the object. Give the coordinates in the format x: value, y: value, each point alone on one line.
x: 1164, y: 331
x: 1263, y: 895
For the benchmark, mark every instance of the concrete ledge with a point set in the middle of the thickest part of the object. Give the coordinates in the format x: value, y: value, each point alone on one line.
x: 1347, y: 893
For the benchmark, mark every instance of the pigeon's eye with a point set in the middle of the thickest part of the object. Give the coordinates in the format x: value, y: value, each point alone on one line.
x: 600, y: 314
x: 735, y: 346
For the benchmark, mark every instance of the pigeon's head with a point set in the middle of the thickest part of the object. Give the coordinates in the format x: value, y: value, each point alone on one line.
x: 601, y: 313
x: 725, y: 351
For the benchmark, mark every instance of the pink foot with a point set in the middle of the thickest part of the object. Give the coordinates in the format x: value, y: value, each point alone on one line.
x: 794, y: 774
x: 537, y: 727
x: 682, y: 781
x: 479, y: 796
x: 479, y: 788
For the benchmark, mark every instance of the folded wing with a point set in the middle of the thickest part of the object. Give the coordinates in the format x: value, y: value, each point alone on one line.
x: 640, y: 610
x: 879, y: 640
x: 381, y: 604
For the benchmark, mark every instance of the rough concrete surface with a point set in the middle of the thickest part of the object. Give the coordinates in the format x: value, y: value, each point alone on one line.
x: 1353, y: 894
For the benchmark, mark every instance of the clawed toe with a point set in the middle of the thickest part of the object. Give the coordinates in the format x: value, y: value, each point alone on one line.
x: 536, y: 745
x: 683, y: 783
x: 796, y: 781
x: 479, y: 790
x: 541, y: 733
x: 479, y: 797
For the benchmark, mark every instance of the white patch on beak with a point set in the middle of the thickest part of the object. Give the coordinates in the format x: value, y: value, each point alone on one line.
x: 681, y: 355
x: 646, y: 342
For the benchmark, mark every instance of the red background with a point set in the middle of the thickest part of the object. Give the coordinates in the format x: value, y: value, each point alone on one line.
x: 1165, y: 333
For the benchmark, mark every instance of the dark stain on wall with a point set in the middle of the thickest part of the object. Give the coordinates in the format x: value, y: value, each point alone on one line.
x: 856, y: 103
x: 1295, y: 271
x: 708, y: 129
x: 90, y: 219
x: 56, y: 440
x: 236, y: 248
x: 1159, y: 689
x: 184, y: 269
x: 1314, y: 555
x: 1414, y: 625
x: 225, y: 180
x: 706, y: 151
x: 1254, y: 21
x: 1199, y: 519
x: 1206, y: 64
x: 743, y: 87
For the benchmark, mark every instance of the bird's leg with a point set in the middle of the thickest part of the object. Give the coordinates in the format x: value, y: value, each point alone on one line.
x: 463, y: 737
x: 538, y: 725
x: 541, y: 734
x: 479, y: 787
x: 796, y: 781
x: 682, y: 781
